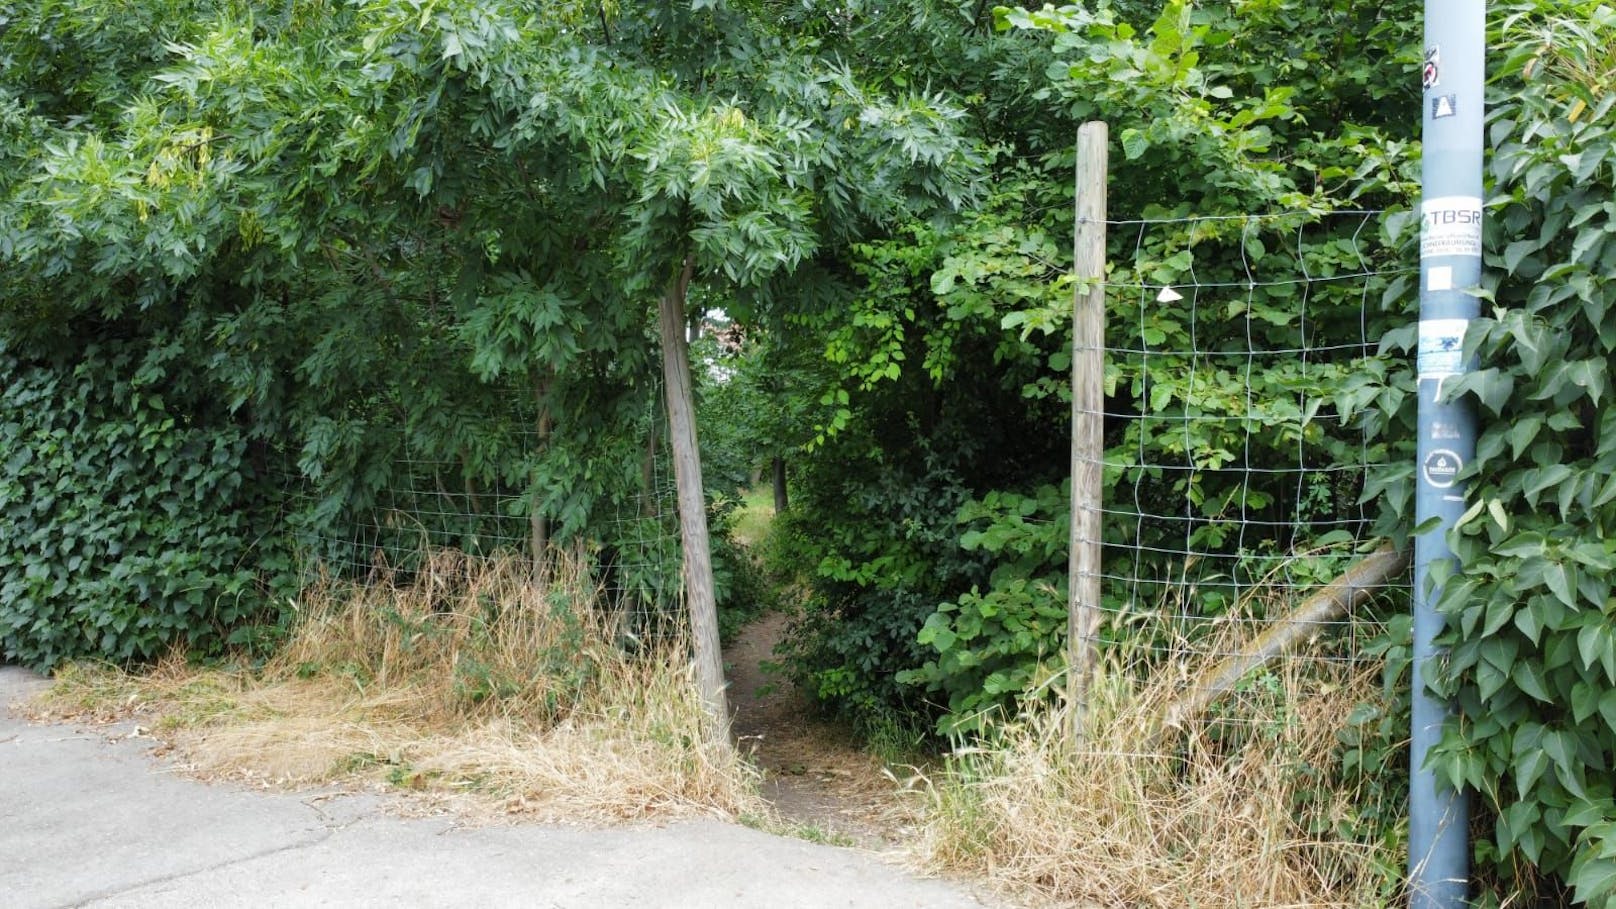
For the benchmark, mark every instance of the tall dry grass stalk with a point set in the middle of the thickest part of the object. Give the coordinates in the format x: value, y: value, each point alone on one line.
x: 1243, y: 810
x: 464, y: 677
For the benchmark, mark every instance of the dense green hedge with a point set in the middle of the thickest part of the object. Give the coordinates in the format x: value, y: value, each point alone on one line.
x: 124, y: 524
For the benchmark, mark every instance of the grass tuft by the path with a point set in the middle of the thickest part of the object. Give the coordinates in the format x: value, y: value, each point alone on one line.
x: 1247, y: 812
x: 465, y: 678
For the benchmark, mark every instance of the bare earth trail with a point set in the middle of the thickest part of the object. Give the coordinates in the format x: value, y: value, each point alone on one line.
x: 817, y: 781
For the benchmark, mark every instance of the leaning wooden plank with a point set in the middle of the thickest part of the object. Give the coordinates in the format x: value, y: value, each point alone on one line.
x: 1339, y: 597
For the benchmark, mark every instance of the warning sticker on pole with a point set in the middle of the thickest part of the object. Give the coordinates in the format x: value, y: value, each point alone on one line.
x: 1450, y: 226
x: 1441, y: 348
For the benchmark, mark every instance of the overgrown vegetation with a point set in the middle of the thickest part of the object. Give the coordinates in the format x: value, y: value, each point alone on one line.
x: 403, y: 245
x: 268, y: 269
x: 930, y: 500
x: 1257, y: 809
x: 464, y: 679
x: 132, y: 518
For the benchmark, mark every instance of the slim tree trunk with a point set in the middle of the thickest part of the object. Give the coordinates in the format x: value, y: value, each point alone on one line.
x: 780, y: 499
x: 539, y: 525
x: 468, y: 540
x: 698, y: 566
x: 650, y: 495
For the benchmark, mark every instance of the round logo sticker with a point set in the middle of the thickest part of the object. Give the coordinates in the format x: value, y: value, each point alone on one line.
x: 1441, y: 468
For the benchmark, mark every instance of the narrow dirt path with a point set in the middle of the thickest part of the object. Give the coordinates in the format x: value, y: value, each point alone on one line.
x: 814, y: 776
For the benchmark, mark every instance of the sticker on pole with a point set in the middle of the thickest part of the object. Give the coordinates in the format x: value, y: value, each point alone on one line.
x: 1441, y: 352
x: 1450, y: 226
x: 1441, y: 468
x: 1431, y: 73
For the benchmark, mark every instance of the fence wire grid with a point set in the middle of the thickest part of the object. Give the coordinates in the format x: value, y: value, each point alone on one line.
x: 1233, y: 483
x: 631, y: 546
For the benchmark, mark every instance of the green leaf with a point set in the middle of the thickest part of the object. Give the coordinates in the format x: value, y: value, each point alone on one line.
x: 1558, y: 578
x: 1134, y: 143
x: 1528, y: 677
x: 1593, y: 880
x: 1499, y: 613
x: 1543, y: 478
x: 1495, y: 508
x: 1519, y: 827
x: 1607, y: 709
x: 1527, y: 620
x: 1561, y: 749
x: 1528, y: 770
x: 1590, y: 813
x: 1523, y: 433
x: 1596, y: 646
x: 1518, y: 251
x: 1584, y: 701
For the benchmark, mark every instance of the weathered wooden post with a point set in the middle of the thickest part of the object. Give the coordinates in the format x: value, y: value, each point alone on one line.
x: 1088, y: 417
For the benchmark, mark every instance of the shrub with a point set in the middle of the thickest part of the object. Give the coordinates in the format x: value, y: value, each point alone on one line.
x: 125, y: 523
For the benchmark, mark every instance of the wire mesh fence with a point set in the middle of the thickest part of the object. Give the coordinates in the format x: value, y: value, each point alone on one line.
x: 1234, y: 476
x: 424, y: 504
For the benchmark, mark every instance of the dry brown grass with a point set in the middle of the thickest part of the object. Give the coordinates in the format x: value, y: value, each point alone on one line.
x: 464, y: 679
x: 1238, y: 812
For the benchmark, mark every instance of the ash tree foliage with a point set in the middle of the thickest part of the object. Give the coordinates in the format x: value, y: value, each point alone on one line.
x: 394, y: 232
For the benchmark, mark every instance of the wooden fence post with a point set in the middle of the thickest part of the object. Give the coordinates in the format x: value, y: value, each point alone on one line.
x: 1088, y: 418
